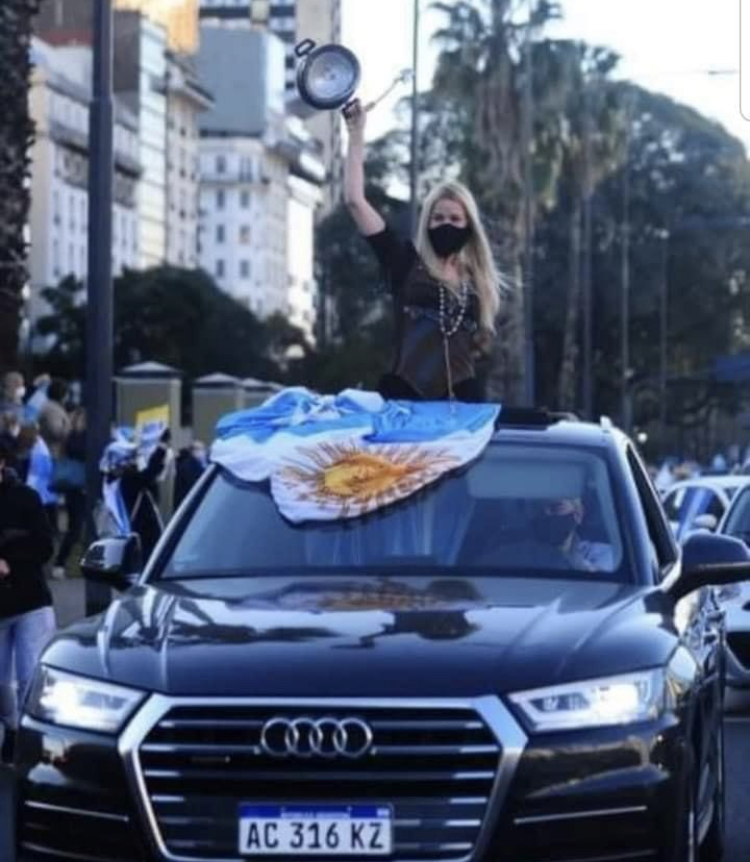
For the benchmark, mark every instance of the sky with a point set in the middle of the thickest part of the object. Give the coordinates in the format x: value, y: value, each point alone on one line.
x: 665, y: 45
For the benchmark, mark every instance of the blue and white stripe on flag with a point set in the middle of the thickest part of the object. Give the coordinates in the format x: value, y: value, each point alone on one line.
x: 119, y: 453
x: 331, y: 457
x: 115, y: 506
x: 149, y: 436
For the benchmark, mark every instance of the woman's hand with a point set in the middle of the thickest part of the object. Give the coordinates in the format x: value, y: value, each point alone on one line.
x: 482, y: 345
x: 356, y: 118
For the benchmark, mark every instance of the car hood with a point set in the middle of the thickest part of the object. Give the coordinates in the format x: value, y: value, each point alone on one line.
x: 367, y: 636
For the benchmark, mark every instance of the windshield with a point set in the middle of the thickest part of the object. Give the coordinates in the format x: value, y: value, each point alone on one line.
x: 538, y: 509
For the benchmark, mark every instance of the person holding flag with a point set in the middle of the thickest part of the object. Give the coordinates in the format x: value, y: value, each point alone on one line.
x: 130, y: 469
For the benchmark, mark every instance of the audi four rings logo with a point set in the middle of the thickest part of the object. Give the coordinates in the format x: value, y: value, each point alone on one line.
x: 322, y: 737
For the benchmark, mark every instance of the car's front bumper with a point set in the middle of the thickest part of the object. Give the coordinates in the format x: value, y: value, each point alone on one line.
x: 607, y: 795
x: 610, y: 794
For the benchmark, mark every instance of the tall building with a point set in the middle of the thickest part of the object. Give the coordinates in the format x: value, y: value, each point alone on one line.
x: 292, y: 21
x: 178, y: 17
x: 71, y: 20
x: 320, y: 20
x: 159, y: 85
x: 59, y: 100
x: 140, y: 81
x: 186, y: 99
x: 260, y: 179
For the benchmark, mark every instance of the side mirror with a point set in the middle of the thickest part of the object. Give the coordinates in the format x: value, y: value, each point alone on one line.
x: 705, y: 522
x: 711, y: 560
x: 116, y: 562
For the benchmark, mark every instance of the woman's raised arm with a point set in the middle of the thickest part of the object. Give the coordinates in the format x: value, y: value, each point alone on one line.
x: 365, y: 216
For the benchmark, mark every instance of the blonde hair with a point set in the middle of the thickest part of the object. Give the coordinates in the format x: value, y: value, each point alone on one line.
x: 476, y: 255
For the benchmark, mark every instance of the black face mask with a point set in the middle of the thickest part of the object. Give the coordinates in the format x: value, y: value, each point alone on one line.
x: 448, y: 239
x: 554, y: 529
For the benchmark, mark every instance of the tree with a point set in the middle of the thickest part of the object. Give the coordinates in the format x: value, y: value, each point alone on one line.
x: 64, y: 329
x: 686, y: 175
x: 480, y: 77
x: 170, y: 315
x: 16, y: 134
x: 592, y: 141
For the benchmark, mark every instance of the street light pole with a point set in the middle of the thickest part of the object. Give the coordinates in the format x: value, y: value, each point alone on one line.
x: 625, y: 280
x: 527, y: 132
x: 414, y: 165
x: 588, y: 387
x: 663, y: 299
x: 99, y: 310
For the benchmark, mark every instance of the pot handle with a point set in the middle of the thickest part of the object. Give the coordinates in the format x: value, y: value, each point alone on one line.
x: 304, y: 47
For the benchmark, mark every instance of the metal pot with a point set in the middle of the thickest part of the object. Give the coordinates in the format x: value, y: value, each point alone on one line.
x: 327, y: 75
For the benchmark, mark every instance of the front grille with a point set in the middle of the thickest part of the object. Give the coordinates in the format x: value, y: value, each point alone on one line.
x: 435, y: 766
x: 739, y: 644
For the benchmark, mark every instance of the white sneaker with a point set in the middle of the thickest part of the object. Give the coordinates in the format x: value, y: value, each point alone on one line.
x: 58, y: 573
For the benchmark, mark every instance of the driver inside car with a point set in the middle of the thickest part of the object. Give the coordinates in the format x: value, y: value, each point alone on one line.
x: 558, y: 524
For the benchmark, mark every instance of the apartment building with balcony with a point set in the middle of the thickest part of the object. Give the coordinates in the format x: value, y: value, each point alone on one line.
x: 292, y: 21
x: 59, y: 100
x: 261, y: 174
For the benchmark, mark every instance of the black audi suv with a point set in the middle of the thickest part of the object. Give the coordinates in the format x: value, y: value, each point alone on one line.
x: 516, y: 663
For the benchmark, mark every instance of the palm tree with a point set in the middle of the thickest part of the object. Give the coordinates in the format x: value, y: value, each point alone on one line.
x: 592, y: 143
x: 480, y: 78
x: 16, y: 134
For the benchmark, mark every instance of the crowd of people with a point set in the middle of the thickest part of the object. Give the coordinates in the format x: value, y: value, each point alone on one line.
x: 43, y: 510
x: 732, y: 462
x: 45, y: 437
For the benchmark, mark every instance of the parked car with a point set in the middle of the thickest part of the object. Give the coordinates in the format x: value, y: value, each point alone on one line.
x: 735, y: 599
x: 700, y: 503
x: 452, y: 677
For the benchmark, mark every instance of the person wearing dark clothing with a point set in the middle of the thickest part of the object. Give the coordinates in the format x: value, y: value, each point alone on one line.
x: 26, y: 617
x: 189, y: 467
x: 419, y: 369
x: 157, y: 463
x: 139, y: 490
x: 445, y: 286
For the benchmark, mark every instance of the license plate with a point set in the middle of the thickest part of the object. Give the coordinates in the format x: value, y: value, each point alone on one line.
x: 316, y: 830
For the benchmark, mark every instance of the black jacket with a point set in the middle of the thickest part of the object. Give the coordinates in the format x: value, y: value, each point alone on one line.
x: 188, y: 469
x: 26, y: 545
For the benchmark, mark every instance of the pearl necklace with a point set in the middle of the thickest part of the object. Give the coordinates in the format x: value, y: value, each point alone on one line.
x: 449, y: 328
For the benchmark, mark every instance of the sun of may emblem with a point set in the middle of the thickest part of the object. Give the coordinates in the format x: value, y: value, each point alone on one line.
x: 356, y: 479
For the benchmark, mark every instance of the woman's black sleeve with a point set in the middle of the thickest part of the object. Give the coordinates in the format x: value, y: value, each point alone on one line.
x: 395, y: 256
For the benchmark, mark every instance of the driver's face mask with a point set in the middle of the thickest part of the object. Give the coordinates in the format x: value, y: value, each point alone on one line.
x: 554, y: 529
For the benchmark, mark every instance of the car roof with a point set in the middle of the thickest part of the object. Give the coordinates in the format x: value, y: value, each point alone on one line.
x: 720, y: 482
x: 733, y: 503
x: 539, y: 425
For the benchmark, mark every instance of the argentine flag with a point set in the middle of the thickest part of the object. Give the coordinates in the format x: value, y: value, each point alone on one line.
x: 120, y: 452
x: 341, y: 456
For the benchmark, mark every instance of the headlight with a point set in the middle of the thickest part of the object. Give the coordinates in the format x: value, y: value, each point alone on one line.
x: 595, y: 702
x: 74, y: 701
